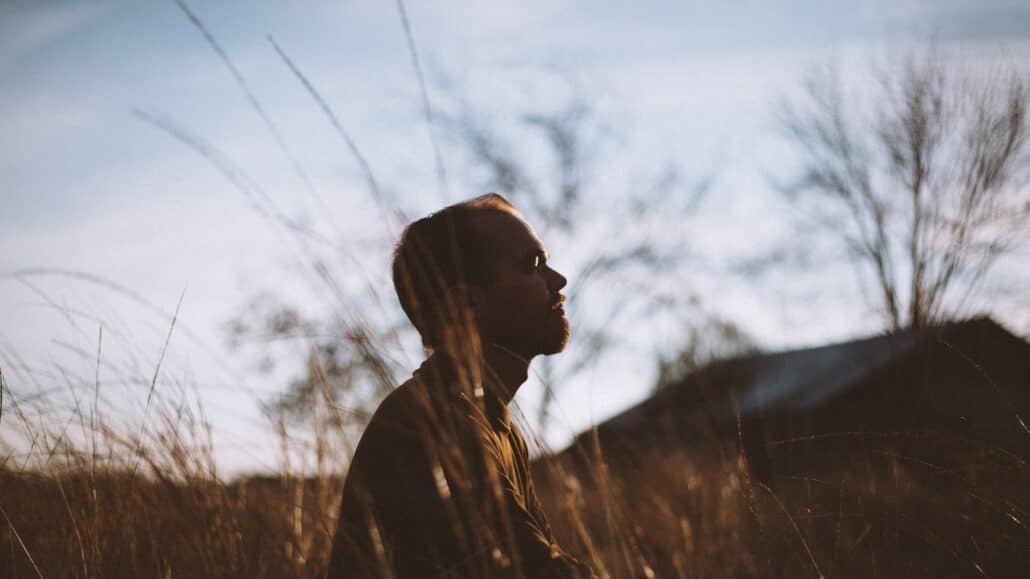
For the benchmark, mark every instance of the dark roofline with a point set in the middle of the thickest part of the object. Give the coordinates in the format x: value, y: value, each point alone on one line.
x: 925, y: 332
x: 841, y: 364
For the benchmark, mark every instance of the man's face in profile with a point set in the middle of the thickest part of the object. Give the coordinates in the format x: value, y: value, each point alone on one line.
x: 522, y: 304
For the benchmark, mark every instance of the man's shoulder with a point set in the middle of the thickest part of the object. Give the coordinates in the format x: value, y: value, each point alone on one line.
x: 397, y: 413
x: 408, y: 410
x: 427, y: 410
x: 391, y: 438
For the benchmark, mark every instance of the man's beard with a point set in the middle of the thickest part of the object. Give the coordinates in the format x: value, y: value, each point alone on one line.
x: 556, y: 337
x: 549, y: 336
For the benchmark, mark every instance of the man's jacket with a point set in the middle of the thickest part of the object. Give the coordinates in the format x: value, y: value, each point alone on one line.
x: 440, y: 486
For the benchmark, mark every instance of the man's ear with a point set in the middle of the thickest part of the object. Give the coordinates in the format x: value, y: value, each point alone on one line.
x: 466, y: 313
x: 477, y: 297
x: 470, y: 301
x: 464, y: 295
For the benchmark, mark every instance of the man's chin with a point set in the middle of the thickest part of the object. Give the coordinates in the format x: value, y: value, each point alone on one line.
x: 556, y: 343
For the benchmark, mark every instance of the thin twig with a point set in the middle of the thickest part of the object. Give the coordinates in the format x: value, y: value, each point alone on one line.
x: 983, y: 373
x: 96, y: 406
x: 253, y: 100
x: 427, y: 109
x: 259, y: 199
x: 797, y: 529
x: 373, y: 186
x: 21, y: 543
x: 93, y: 279
x: 153, y: 382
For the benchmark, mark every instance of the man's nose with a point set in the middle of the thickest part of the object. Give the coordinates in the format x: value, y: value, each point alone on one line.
x: 558, y: 280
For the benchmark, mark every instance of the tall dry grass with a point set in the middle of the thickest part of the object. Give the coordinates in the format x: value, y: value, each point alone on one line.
x: 86, y: 493
x: 94, y: 497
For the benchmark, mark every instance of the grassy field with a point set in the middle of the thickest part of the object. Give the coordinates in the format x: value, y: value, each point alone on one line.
x: 100, y: 504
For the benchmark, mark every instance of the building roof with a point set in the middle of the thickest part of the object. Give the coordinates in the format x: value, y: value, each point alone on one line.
x: 796, y: 380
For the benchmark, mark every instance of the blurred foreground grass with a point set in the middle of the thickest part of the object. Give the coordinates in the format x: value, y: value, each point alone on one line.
x: 100, y: 504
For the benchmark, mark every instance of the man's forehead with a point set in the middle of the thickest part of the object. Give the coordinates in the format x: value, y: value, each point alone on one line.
x: 508, y: 232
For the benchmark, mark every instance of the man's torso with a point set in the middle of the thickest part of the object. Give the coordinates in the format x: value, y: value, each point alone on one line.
x: 440, y: 486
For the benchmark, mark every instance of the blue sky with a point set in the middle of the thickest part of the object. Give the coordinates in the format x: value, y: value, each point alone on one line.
x: 86, y: 186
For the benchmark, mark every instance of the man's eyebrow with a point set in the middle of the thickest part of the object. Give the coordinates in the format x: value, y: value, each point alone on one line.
x: 536, y: 252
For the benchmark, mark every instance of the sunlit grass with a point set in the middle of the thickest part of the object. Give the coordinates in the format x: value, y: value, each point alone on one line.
x: 91, y: 497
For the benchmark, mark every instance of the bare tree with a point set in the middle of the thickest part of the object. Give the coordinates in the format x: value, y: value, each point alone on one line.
x: 925, y: 186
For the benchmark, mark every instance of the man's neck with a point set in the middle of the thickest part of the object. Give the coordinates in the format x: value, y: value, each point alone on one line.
x: 510, y: 368
x: 507, y: 370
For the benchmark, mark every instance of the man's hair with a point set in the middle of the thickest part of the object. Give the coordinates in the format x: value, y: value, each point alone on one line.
x: 438, y: 252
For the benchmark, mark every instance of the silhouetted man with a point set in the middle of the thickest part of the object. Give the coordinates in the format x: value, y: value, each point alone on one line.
x: 439, y: 485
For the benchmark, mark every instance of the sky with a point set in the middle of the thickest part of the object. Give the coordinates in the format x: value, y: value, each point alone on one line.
x: 88, y: 186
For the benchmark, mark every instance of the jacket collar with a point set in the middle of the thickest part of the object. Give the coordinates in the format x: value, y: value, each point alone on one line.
x: 475, y: 384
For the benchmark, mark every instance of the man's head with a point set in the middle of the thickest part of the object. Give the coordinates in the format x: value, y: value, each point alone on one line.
x: 478, y: 265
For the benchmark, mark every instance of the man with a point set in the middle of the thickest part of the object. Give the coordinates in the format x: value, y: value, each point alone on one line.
x: 439, y: 485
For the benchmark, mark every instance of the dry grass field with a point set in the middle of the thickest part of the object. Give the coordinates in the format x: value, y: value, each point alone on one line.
x: 98, y: 504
